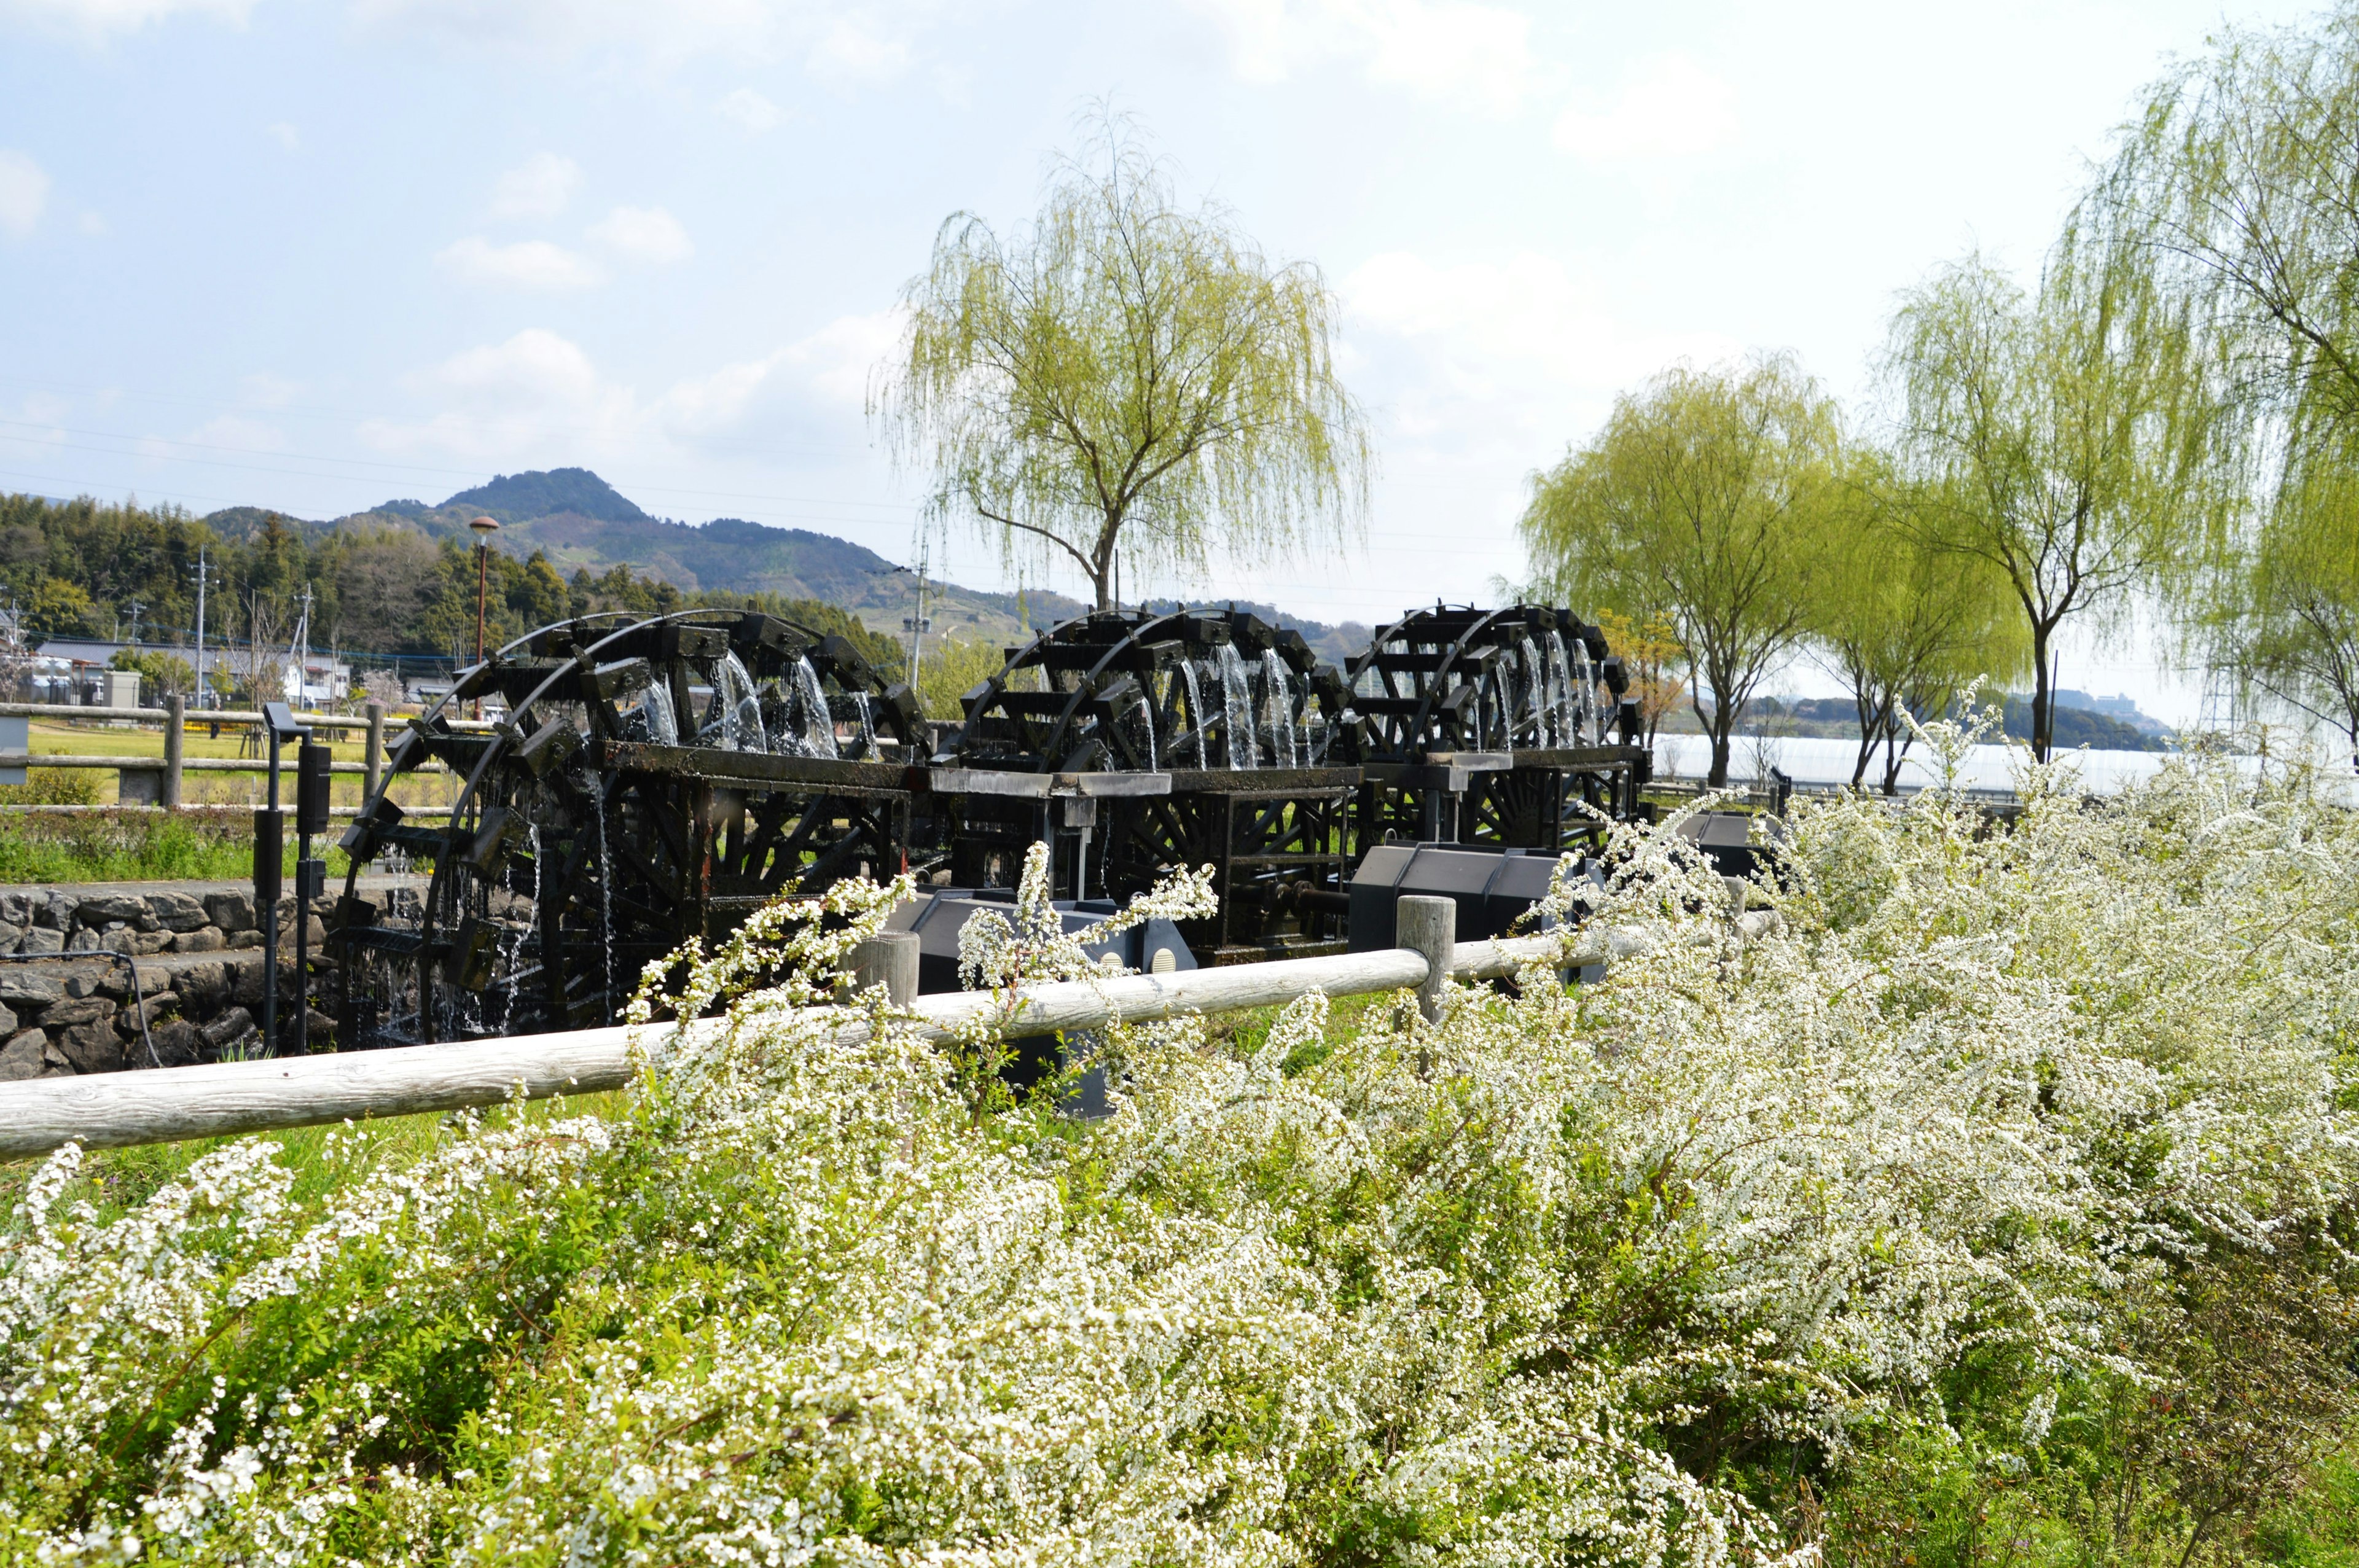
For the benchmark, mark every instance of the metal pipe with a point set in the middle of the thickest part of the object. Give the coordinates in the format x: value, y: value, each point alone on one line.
x: 118, y: 1109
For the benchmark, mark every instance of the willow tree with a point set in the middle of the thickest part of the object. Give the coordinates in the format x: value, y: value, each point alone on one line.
x: 1700, y: 498
x: 1904, y: 625
x: 2284, y: 619
x: 2074, y: 433
x: 2234, y: 188
x: 1125, y: 378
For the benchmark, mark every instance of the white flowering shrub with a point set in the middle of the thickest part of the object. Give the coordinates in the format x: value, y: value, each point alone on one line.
x: 2007, y: 1171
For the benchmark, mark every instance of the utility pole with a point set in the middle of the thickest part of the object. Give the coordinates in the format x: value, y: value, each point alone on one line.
x: 484, y: 528
x: 135, y: 608
x: 918, y: 624
x: 301, y: 649
x: 203, y: 687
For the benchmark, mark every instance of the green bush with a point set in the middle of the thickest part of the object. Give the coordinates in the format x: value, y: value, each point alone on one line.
x: 1992, y: 1203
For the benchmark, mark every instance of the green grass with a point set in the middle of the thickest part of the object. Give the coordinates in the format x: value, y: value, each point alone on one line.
x: 134, y: 846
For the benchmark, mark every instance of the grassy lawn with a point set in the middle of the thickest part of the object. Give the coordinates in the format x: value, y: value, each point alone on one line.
x: 101, y: 787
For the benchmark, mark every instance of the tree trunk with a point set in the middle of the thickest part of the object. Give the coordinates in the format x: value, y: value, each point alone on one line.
x: 1720, y: 727
x: 1866, y: 740
x: 2043, y: 696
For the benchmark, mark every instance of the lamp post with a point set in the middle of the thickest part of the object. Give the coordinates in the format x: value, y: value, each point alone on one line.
x: 484, y: 528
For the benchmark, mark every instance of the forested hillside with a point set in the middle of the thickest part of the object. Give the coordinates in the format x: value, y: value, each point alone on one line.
x: 382, y: 589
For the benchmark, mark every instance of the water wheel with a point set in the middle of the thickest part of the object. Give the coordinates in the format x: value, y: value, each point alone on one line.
x: 642, y: 782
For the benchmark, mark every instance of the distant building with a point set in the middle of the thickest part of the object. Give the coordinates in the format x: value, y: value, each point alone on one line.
x: 72, y: 669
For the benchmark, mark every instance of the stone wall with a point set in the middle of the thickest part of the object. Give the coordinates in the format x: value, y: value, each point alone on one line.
x: 199, y: 971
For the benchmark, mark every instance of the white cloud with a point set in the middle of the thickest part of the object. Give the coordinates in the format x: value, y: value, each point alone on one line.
x: 528, y: 263
x: 749, y: 111
x: 96, y: 19
x: 1455, y: 50
x: 283, y: 132
x: 854, y: 50
x: 829, y: 367
x: 849, y: 41
x: 24, y: 192
x: 537, y: 187
x: 538, y: 396
x: 1672, y: 109
x: 533, y: 397
x: 643, y: 234
x: 1512, y: 352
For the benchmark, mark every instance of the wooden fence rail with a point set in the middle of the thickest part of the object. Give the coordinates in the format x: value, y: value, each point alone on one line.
x: 118, y: 1109
x: 157, y: 781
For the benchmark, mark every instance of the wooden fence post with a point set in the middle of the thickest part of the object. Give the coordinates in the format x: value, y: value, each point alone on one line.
x: 889, y: 958
x: 175, y: 731
x: 1428, y: 926
x: 373, y: 750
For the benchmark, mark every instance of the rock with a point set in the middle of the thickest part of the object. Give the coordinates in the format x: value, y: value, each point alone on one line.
x: 85, y: 940
x: 246, y: 940
x: 178, y: 1043
x: 7, y: 1022
x: 42, y: 939
x: 231, y: 911
x: 158, y: 1005
x: 151, y: 941
x: 99, y: 982
x: 204, y: 982
x: 203, y: 939
x: 17, y: 907
x: 92, y: 1048
x: 22, y: 988
x: 54, y: 910
x: 87, y: 1010
x: 177, y: 911
x: 11, y: 933
x: 227, y: 1027
x: 21, y: 1057
x: 53, y: 1056
x: 98, y: 909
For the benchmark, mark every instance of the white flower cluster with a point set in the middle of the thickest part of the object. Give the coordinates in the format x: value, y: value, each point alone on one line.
x: 1465, y: 1291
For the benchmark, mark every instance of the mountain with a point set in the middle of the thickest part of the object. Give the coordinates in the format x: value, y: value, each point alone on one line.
x: 514, y: 498
x: 581, y: 523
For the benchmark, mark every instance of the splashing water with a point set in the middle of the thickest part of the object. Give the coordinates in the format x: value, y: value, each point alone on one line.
x: 1147, y: 722
x: 1559, y: 676
x: 1236, y: 703
x: 1276, y: 691
x: 741, y: 710
x: 1195, y: 708
x: 1535, y: 694
x: 867, y: 724
x: 818, y: 725
x: 1584, y: 693
x: 663, y: 725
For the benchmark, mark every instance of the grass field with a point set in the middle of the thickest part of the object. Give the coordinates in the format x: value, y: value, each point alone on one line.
x: 136, y: 845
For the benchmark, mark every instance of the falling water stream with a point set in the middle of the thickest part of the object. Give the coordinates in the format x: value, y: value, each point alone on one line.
x: 867, y: 724
x: 741, y: 710
x: 1147, y: 722
x: 1195, y: 708
x: 606, y: 901
x: 1236, y: 703
x: 1584, y: 687
x: 1560, y: 680
x: 1535, y: 697
x: 663, y: 725
x: 1275, y: 690
x: 819, y: 724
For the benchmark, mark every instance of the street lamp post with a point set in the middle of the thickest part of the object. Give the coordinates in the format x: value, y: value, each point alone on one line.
x: 484, y: 528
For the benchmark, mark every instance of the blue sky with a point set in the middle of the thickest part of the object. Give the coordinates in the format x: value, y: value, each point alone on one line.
x: 316, y: 254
